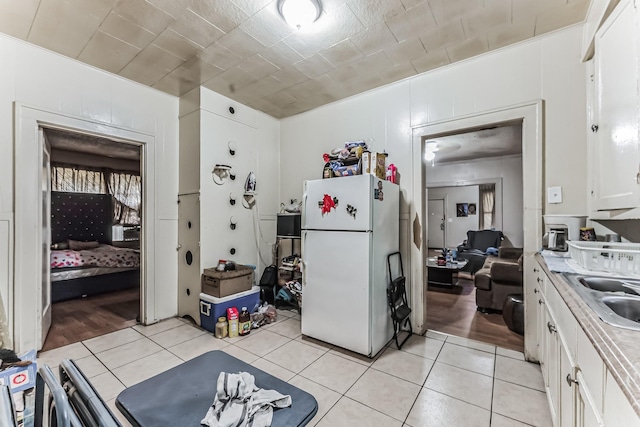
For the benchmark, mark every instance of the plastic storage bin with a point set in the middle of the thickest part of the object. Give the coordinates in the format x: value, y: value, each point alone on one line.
x: 211, y: 307
x: 611, y: 257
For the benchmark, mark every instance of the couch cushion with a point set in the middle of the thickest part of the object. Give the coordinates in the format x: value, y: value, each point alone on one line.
x: 506, y: 272
x: 482, y: 279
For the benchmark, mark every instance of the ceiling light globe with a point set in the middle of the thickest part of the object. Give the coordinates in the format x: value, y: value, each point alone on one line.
x: 429, y: 155
x: 299, y: 13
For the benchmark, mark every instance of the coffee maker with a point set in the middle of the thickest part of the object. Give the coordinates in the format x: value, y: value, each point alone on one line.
x: 561, y: 228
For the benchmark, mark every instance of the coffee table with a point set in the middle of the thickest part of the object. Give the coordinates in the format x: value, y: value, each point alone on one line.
x: 444, y: 275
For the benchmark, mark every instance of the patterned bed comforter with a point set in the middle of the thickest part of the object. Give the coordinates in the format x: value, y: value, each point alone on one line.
x: 102, y: 256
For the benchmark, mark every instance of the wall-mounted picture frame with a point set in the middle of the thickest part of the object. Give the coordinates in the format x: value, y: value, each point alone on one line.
x: 472, y: 209
x: 462, y: 209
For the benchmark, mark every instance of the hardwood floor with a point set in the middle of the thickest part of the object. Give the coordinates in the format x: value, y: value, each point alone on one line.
x: 453, y: 311
x: 84, y: 318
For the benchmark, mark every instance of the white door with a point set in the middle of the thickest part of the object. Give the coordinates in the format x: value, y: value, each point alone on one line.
x: 436, y: 225
x: 189, y: 255
x: 45, y: 291
x: 336, y: 294
x: 352, y: 197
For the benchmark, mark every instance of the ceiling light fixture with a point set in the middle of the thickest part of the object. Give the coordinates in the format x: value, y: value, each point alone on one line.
x: 299, y: 13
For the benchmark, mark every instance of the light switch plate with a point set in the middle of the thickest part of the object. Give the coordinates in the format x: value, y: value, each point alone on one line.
x: 554, y: 195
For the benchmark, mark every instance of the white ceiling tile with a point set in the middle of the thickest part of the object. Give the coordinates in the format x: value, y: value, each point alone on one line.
x: 448, y: 10
x: 444, y: 35
x: 331, y: 28
x: 257, y: 66
x: 412, y: 22
x: 290, y: 76
x: 16, y: 16
x: 527, y: 8
x: 240, y: 43
x: 280, y: 98
x: 398, y: 72
x: 512, y: 33
x: 219, y: 56
x: 195, y: 28
x: 374, y: 38
x: 566, y: 15
x: 68, y: 34
x: 488, y: 18
x: 235, y: 78
x: 151, y: 65
x: 108, y: 53
x: 433, y: 59
x: 173, y: 42
x: 197, y: 70
x: 125, y: 30
x: 267, y: 26
x: 172, y: 7
x: 370, y: 12
x: 408, y: 4
x: 468, y: 48
x: 251, y: 6
x: 144, y: 14
x: 174, y: 85
x: 281, y: 55
x: 224, y: 14
x: 314, y: 66
x: 261, y: 88
x: 406, y: 51
x: 342, y: 53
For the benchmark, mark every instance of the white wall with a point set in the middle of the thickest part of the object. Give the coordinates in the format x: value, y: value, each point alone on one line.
x: 506, y: 172
x: 36, y: 77
x: 456, y: 227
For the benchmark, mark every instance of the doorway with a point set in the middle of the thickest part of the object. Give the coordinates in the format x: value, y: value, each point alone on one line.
x: 93, y: 247
x: 530, y: 115
x: 27, y: 297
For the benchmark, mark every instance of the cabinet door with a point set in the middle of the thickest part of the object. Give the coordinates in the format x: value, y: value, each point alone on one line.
x: 552, y: 349
x: 616, y: 150
x: 567, y: 386
x: 586, y: 412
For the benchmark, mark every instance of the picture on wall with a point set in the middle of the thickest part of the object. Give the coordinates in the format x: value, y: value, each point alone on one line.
x: 462, y: 209
x: 472, y: 208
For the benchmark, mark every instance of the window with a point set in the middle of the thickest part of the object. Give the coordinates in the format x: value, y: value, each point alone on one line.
x: 125, y: 188
x: 487, y: 206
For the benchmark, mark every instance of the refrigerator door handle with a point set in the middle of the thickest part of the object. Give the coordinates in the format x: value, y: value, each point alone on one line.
x: 303, y: 266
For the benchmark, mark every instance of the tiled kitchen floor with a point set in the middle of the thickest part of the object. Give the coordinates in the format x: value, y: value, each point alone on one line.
x: 437, y: 380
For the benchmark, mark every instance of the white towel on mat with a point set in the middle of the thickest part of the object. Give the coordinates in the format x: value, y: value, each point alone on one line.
x: 239, y: 403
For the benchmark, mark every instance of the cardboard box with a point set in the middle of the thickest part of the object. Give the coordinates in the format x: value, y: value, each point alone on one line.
x: 366, y: 162
x: 224, y: 283
x: 378, y: 165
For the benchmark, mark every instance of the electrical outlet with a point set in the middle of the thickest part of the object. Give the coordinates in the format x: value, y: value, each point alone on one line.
x: 554, y: 195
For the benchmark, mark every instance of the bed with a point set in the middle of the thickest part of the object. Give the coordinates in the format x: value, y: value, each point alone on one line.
x: 83, y: 260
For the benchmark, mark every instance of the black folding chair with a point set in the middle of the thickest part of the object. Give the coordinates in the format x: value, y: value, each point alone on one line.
x: 397, y: 300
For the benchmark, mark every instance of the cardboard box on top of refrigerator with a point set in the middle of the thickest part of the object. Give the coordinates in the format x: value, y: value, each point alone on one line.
x: 377, y: 165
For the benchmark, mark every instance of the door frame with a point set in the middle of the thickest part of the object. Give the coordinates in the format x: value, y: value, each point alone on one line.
x: 531, y: 114
x: 28, y: 235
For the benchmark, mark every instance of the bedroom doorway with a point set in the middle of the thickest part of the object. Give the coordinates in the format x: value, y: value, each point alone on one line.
x: 93, y: 235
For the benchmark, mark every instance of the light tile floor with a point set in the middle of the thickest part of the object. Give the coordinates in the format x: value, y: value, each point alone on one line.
x: 435, y: 380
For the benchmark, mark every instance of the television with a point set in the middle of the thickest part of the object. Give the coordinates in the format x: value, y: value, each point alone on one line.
x: 288, y: 225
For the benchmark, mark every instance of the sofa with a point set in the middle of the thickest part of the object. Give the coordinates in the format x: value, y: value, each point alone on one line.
x: 499, y: 276
x: 475, y: 247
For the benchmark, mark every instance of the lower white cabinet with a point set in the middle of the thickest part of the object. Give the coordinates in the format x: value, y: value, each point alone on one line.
x: 580, y: 390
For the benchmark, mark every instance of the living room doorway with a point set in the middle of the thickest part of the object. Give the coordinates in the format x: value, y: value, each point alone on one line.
x: 529, y: 119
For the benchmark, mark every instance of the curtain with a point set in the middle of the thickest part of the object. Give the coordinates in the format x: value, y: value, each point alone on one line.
x: 77, y: 180
x: 125, y: 188
x: 487, y: 206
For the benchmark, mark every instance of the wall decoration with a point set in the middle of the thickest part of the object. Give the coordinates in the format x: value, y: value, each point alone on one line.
x: 462, y: 209
x: 472, y: 208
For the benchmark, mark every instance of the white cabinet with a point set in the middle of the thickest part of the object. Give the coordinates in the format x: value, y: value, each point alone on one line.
x: 616, y: 149
x: 580, y: 390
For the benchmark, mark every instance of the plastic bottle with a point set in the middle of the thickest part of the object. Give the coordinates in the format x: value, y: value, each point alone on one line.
x: 232, y: 318
x: 222, y: 327
x: 244, y: 326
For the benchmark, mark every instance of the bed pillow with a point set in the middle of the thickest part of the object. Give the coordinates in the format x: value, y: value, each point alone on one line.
x: 77, y: 245
x: 60, y: 246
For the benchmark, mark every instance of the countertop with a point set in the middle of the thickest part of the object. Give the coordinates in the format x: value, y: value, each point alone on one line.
x: 619, y: 348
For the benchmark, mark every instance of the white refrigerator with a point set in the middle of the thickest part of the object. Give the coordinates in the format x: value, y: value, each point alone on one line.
x: 349, y: 226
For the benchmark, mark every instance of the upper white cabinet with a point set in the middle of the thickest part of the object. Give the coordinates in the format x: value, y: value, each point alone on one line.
x: 616, y: 151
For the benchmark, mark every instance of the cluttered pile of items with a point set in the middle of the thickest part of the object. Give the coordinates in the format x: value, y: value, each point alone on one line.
x: 356, y: 159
